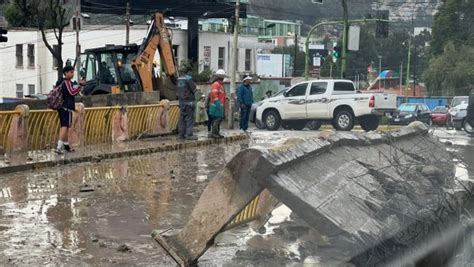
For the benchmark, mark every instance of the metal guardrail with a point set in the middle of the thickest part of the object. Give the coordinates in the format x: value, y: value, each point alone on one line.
x: 43, y: 129
x: 98, y: 124
x: 248, y: 214
x: 43, y: 125
x: 6, y: 118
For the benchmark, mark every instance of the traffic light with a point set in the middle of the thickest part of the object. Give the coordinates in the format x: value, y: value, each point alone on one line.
x: 382, y: 26
x: 336, y: 53
x: 3, y: 39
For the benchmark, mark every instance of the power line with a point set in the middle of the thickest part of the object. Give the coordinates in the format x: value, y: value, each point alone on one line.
x: 54, y: 37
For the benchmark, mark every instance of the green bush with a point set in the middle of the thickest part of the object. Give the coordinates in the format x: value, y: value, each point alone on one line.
x: 198, y: 76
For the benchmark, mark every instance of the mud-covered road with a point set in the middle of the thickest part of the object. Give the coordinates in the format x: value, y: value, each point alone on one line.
x: 102, y: 213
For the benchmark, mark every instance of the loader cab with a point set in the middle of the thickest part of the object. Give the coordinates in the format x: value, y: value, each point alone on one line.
x: 108, y: 70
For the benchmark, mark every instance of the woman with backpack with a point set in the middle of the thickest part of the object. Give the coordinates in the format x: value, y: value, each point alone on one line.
x: 66, y: 105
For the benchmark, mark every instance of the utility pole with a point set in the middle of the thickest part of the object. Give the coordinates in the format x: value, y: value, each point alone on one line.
x: 78, y: 29
x: 408, y: 66
x: 401, y: 78
x: 380, y: 72
x: 127, y: 32
x: 409, y: 61
x: 414, y: 58
x: 234, y: 66
x: 344, y: 39
x: 296, y: 53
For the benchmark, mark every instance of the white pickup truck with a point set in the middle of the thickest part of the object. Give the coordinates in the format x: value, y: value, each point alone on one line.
x: 320, y: 101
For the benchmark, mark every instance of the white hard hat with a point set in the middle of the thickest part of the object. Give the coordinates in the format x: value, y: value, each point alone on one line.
x: 220, y: 73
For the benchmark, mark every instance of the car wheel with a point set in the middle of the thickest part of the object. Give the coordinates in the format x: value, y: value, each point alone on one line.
x: 314, y: 125
x: 468, y: 127
x: 260, y: 125
x: 344, y: 120
x: 272, y: 120
x: 369, y: 123
x: 429, y: 122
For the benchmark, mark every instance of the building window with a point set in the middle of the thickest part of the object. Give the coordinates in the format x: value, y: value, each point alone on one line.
x: 55, y: 61
x: 19, y: 90
x: 175, y: 54
x: 19, y: 55
x: 221, y: 60
x: 248, y: 59
x: 31, y: 55
x: 207, y: 57
x: 31, y: 89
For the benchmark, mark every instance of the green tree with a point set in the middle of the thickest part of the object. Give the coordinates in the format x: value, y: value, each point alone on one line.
x: 453, y: 23
x: 451, y: 73
x: 44, y: 15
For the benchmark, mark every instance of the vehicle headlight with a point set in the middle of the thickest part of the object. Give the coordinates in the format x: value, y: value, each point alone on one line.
x: 409, y: 116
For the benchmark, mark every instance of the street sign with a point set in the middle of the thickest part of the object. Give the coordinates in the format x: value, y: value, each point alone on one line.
x: 314, y: 71
x: 354, y: 38
x: 207, y: 56
x: 317, y: 61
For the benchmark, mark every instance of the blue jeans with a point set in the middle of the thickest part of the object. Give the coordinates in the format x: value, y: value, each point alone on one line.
x: 186, y: 121
x: 244, y: 117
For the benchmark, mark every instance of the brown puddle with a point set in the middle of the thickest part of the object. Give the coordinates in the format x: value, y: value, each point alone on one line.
x: 46, y: 219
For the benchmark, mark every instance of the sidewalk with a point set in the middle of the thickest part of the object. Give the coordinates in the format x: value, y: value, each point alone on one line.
x: 33, y: 160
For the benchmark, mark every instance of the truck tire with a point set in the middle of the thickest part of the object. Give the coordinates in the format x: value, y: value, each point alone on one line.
x: 272, y: 120
x: 468, y: 127
x: 369, y: 123
x: 315, y: 125
x: 260, y: 125
x: 344, y: 120
x: 296, y: 125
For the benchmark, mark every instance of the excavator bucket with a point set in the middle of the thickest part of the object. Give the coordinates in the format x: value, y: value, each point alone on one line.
x: 369, y: 188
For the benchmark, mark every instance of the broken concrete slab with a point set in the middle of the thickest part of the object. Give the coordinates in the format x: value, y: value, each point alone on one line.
x: 366, y: 188
x: 222, y: 200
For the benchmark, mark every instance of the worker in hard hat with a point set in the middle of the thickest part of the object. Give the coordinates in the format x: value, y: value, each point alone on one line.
x: 245, y: 100
x: 186, y: 90
x: 217, y: 93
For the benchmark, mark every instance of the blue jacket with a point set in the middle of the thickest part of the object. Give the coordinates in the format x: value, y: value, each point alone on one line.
x: 245, y: 95
x: 186, y: 89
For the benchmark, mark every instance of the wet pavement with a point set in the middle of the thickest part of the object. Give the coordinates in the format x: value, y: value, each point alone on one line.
x: 94, y: 153
x: 46, y: 219
x: 103, y: 213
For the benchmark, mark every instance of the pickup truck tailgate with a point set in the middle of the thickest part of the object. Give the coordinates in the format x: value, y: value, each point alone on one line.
x: 385, y: 101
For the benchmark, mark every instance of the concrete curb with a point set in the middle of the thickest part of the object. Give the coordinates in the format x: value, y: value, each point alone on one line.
x: 119, y: 154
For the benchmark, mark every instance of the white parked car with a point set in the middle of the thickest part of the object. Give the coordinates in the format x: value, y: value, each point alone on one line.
x: 334, y: 101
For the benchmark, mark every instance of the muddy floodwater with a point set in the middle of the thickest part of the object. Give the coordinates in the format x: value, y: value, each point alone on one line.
x: 102, y: 213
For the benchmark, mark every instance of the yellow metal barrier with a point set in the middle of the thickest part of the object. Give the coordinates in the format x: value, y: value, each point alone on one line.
x: 5, y: 122
x: 142, y: 119
x: 98, y: 125
x: 249, y: 213
x: 174, y: 114
x: 44, y: 124
x: 43, y: 128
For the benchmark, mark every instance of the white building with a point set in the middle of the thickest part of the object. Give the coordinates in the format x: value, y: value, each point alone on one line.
x: 27, y: 67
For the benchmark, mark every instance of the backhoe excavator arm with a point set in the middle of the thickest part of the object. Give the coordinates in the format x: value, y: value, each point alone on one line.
x: 159, y: 38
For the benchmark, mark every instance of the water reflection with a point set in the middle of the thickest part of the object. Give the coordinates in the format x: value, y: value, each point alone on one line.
x: 44, y: 218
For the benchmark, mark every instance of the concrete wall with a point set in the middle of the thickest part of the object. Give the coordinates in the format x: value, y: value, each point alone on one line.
x: 43, y: 76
